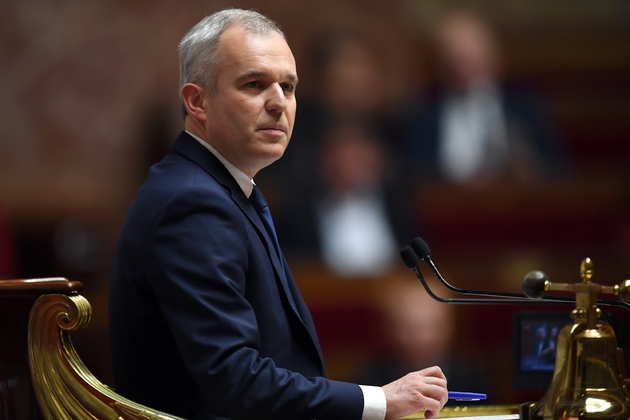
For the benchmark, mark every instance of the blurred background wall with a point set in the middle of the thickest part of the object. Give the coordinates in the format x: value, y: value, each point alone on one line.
x: 88, y: 101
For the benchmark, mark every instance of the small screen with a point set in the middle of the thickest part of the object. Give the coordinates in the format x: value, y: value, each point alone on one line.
x: 538, y: 343
x: 534, y: 345
x: 535, y: 336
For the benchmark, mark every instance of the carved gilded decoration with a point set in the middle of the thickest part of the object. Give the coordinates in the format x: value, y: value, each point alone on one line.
x: 64, y: 387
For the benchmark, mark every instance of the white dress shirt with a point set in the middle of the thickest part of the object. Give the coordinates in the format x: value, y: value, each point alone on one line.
x: 356, y: 235
x: 473, y: 135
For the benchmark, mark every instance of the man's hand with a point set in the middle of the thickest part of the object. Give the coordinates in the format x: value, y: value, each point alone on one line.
x: 421, y: 390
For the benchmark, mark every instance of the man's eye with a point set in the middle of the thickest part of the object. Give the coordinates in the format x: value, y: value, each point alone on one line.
x: 253, y: 85
x: 288, y: 87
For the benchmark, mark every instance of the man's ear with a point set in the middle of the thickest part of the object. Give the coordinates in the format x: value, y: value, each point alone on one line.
x: 193, y: 100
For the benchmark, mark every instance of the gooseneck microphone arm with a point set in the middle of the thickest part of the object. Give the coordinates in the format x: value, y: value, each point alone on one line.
x: 411, y: 260
x: 420, y: 250
x: 423, y: 252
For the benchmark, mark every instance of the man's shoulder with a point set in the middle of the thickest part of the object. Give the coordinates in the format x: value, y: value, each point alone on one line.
x: 168, y: 197
x: 178, y: 179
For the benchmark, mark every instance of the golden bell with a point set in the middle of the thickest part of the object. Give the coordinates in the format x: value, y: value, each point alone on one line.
x: 589, y: 380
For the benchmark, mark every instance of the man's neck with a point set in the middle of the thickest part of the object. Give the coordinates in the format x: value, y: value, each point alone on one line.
x: 244, y: 181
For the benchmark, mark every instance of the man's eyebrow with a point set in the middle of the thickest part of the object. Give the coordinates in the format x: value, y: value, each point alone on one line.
x: 291, y: 77
x: 251, y: 74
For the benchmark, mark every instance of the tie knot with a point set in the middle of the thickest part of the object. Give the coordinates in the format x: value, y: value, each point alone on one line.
x: 257, y: 199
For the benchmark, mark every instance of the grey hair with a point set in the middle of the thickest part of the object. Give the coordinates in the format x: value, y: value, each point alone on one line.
x: 198, y: 57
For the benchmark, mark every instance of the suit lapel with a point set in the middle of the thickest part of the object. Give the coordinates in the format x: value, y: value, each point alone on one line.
x: 191, y: 149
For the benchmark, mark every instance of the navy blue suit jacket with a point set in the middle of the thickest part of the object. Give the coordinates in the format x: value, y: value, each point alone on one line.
x: 205, y: 323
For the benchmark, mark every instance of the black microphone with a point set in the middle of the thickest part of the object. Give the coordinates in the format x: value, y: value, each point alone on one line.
x: 533, y: 283
x: 423, y: 252
x: 410, y: 258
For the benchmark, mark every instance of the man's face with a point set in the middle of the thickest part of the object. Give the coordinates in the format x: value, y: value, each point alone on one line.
x: 250, y: 120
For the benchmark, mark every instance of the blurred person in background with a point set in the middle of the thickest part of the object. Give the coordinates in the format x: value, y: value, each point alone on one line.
x: 417, y: 330
x: 477, y: 128
x: 357, y: 234
x: 346, y: 206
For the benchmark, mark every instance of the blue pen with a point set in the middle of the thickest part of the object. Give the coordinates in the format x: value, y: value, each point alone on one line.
x: 465, y: 396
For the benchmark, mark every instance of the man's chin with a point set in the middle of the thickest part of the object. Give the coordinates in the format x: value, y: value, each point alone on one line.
x: 275, y: 151
x: 269, y: 156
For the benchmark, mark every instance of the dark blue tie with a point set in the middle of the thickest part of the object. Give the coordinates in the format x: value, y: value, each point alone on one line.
x: 262, y: 208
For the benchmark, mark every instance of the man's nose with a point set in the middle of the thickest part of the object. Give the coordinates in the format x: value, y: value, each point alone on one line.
x: 276, y: 100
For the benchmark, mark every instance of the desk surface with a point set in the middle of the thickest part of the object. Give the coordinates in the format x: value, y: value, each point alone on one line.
x: 481, y: 412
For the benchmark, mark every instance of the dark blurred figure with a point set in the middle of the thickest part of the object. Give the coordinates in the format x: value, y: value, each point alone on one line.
x: 476, y: 128
x: 541, y: 340
x: 418, y: 330
x: 544, y: 349
x: 548, y: 354
x: 8, y: 254
x: 346, y: 204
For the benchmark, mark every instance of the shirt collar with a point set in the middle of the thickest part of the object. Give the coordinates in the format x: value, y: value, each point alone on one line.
x: 246, y: 184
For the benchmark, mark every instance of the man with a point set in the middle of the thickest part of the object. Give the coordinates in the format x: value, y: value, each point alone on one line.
x: 206, y: 320
x: 476, y: 128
